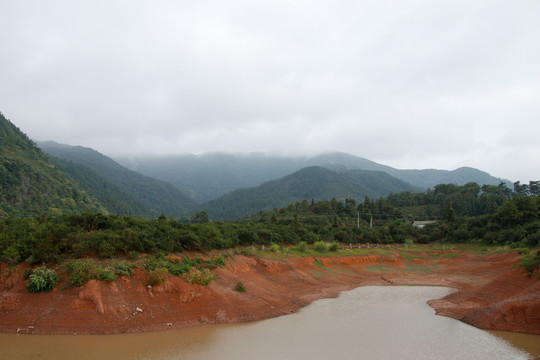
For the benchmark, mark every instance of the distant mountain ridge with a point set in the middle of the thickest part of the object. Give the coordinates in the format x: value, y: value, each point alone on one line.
x: 209, y: 176
x: 65, y: 179
x: 310, y: 183
x: 147, y: 194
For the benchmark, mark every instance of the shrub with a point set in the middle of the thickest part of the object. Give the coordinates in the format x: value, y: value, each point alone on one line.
x: 240, y: 287
x: 122, y: 268
x: 302, y: 246
x: 157, y: 276
x: 11, y: 255
x: 408, y: 242
x: 42, y: 279
x: 107, y: 275
x: 196, y: 276
x: 218, y: 261
x: 333, y: 246
x: 83, y: 271
x: 321, y: 246
x: 246, y: 252
x: 523, y: 251
x: 274, y: 247
x: 530, y: 263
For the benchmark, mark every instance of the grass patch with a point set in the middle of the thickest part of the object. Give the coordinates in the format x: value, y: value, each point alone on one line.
x: 318, y: 263
x: 324, y: 274
x: 420, y: 267
x: 378, y: 268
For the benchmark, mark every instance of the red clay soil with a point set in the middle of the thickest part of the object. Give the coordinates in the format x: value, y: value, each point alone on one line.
x: 492, y: 293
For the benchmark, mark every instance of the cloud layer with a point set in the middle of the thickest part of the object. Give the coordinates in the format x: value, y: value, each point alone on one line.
x: 411, y: 84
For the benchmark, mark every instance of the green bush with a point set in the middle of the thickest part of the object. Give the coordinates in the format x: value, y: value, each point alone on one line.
x: 408, y: 242
x: 83, y: 271
x: 107, y: 275
x: 274, y: 247
x: 11, y: 255
x: 333, y: 247
x: 196, y: 276
x: 42, y: 279
x: 523, y: 251
x: 240, y: 287
x: 530, y: 263
x: 157, y: 276
x: 321, y: 246
x: 302, y: 246
x: 122, y: 268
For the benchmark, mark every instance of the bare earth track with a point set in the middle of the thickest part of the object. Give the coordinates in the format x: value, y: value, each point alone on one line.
x: 492, y: 293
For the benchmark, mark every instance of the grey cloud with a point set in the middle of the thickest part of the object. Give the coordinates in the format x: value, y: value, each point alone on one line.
x: 412, y: 83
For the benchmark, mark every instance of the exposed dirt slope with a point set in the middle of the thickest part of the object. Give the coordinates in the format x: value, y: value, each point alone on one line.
x: 491, y: 295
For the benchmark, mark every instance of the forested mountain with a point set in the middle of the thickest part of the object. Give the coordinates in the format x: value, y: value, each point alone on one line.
x: 206, y: 177
x: 315, y: 183
x: 209, y: 176
x: 109, y: 195
x: 155, y: 196
x: 30, y: 184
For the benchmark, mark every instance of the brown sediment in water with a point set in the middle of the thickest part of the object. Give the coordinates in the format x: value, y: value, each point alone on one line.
x: 492, y: 293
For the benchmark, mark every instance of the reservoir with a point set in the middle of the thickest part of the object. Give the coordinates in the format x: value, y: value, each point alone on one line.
x: 371, y: 322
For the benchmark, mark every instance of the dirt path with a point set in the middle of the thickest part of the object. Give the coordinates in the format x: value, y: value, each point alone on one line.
x: 492, y: 294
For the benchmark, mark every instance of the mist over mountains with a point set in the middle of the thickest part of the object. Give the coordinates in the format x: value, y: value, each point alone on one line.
x: 231, y: 186
x: 61, y: 178
x: 209, y: 176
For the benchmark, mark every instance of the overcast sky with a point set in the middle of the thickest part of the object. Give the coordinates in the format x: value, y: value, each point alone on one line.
x: 407, y: 83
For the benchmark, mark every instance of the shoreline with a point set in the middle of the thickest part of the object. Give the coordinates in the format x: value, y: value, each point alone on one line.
x: 491, y: 294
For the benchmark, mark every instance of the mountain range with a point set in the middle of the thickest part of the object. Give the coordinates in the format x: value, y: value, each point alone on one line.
x: 57, y: 178
x: 207, y: 177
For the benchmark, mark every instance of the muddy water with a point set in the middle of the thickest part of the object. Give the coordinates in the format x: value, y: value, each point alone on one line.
x: 366, y: 323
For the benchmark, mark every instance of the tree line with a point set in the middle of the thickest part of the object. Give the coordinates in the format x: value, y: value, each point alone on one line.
x: 491, y: 215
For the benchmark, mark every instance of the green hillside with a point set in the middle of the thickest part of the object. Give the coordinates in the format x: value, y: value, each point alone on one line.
x: 30, y: 184
x: 209, y: 176
x: 155, y: 196
x: 109, y: 195
x: 315, y: 183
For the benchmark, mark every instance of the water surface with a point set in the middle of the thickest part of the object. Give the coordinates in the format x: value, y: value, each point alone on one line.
x: 370, y: 322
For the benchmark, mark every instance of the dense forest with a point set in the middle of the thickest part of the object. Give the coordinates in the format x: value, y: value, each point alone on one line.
x: 310, y: 182
x: 30, y: 184
x: 121, y: 191
x: 491, y: 215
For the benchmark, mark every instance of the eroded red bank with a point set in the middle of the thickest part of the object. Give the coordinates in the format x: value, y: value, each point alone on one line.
x: 493, y: 293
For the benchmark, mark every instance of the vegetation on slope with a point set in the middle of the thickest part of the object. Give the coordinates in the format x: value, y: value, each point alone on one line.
x: 210, y: 176
x: 155, y: 196
x: 30, y: 184
x: 112, y: 197
x: 309, y: 183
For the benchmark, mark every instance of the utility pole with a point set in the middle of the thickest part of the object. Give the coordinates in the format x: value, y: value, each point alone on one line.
x: 371, y: 222
x: 358, y: 218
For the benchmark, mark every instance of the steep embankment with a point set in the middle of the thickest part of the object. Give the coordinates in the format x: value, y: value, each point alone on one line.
x: 491, y: 295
